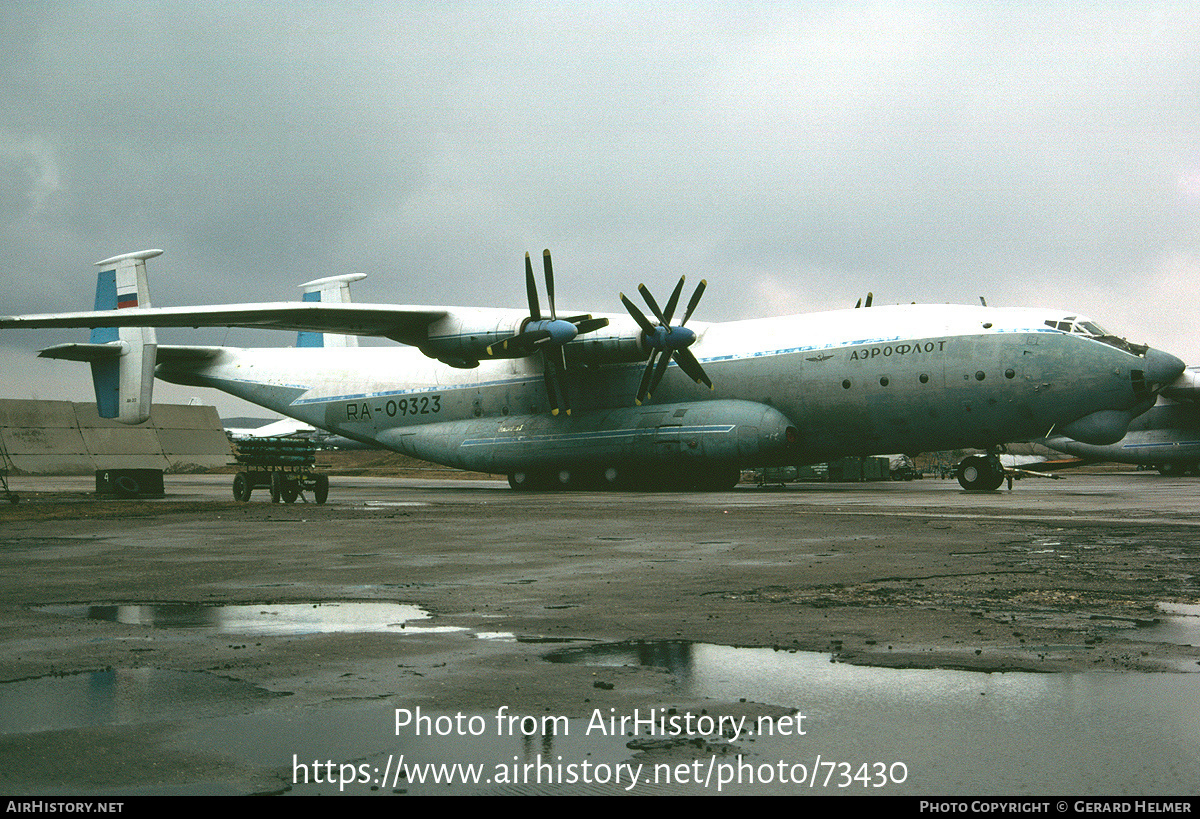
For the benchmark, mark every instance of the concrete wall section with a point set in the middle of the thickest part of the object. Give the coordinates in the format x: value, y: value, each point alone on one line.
x: 58, y: 437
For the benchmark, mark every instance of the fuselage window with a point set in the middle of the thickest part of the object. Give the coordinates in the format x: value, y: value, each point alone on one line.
x: 924, y: 379
x: 883, y: 382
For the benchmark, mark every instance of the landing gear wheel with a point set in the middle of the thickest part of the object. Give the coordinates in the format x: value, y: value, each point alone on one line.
x: 321, y: 488
x: 522, y: 481
x: 612, y: 478
x: 980, y: 473
x: 242, y: 487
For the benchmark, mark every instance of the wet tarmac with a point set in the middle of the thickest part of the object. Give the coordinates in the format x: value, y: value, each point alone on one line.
x: 847, y: 639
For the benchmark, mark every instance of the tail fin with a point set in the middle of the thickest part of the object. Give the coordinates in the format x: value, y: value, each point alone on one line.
x: 332, y: 289
x: 124, y: 379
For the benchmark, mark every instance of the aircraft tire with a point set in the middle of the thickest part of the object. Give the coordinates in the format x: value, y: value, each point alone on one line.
x: 612, y: 477
x: 321, y: 489
x: 523, y: 481
x: 242, y: 487
x: 276, y: 486
x: 977, y: 473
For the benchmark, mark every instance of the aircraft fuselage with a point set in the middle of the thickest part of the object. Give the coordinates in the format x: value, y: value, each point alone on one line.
x: 795, y: 389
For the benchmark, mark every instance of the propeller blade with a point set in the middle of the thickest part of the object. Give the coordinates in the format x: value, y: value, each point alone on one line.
x: 535, y: 312
x: 695, y: 300
x: 521, y: 341
x: 653, y: 304
x: 549, y: 283
x: 556, y: 365
x: 638, y: 316
x: 590, y: 324
x: 673, y: 302
x: 691, y: 367
x: 659, y: 372
x: 644, y: 387
x: 551, y: 379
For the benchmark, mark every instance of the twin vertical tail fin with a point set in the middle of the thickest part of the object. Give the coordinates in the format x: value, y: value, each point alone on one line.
x: 123, y: 358
x: 335, y: 290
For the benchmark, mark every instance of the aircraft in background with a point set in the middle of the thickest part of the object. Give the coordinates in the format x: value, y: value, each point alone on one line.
x: 283, y: 428
x: 633, y: 400
x: 1166, y: 437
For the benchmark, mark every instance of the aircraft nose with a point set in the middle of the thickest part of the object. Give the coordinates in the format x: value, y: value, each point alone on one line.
x: 1162, y: 367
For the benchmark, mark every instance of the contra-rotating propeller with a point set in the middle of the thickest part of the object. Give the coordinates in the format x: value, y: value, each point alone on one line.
x: 669, y: 341
x: 547, y: 336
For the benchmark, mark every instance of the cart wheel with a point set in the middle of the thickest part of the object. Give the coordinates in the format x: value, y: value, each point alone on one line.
x: 290, y: 491
x: 276, y: 486
x: 321, y: 489
x: 242, y: 487
x: 13, y: 499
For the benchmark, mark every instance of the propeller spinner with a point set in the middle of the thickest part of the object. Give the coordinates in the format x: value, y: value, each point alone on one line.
x: 547, y: 336
x: 666, y: 340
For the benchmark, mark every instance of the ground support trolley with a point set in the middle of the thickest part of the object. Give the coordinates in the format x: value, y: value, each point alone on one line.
x: 283, y: 465
x: 5, y: 465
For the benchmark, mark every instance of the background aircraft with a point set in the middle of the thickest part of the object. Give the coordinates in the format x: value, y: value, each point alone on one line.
x: 632, y: 399
x: 1167, y: 436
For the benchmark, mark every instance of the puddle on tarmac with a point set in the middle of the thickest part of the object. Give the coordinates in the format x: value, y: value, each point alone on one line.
x: 954, y: 732
x: 1178, y: 625
x: 118, y: 697
x: 264, y: 618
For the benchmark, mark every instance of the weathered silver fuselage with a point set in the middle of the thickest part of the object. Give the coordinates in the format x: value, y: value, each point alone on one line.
x: 794, y: 389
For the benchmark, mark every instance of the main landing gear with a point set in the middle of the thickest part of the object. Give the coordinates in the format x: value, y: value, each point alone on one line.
x: 981, y: 472
x: 708, y: 479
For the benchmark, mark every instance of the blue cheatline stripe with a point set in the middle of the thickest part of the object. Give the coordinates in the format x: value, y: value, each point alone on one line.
x: 1160, y: 445
x: 306, y: 338
x: 106, y: 299
x: 603, y: 435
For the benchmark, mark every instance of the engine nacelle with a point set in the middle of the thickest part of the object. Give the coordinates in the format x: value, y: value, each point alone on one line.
x: 1186, y: 387
x: 462, y: 338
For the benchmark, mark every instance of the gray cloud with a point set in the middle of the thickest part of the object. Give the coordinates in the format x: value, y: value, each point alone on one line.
x: 795, y: 154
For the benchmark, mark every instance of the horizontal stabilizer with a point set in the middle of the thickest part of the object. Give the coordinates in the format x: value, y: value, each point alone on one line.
x: 112, y: 351
x: 109, y: 351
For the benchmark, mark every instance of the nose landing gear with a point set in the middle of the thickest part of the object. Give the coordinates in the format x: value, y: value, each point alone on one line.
x: 981, y: 472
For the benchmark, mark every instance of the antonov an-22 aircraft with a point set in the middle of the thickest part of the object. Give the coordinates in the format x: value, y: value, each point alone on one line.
x: 639, y: 400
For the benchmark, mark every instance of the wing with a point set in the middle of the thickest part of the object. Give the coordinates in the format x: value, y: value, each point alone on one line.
x: 407, y: 324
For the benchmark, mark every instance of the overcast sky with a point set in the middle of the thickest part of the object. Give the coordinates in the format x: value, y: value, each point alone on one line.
x: 796, y: 155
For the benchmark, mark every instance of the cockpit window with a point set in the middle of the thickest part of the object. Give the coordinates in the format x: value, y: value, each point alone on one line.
x: 1079, y: 326
x: 1082, y: 327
